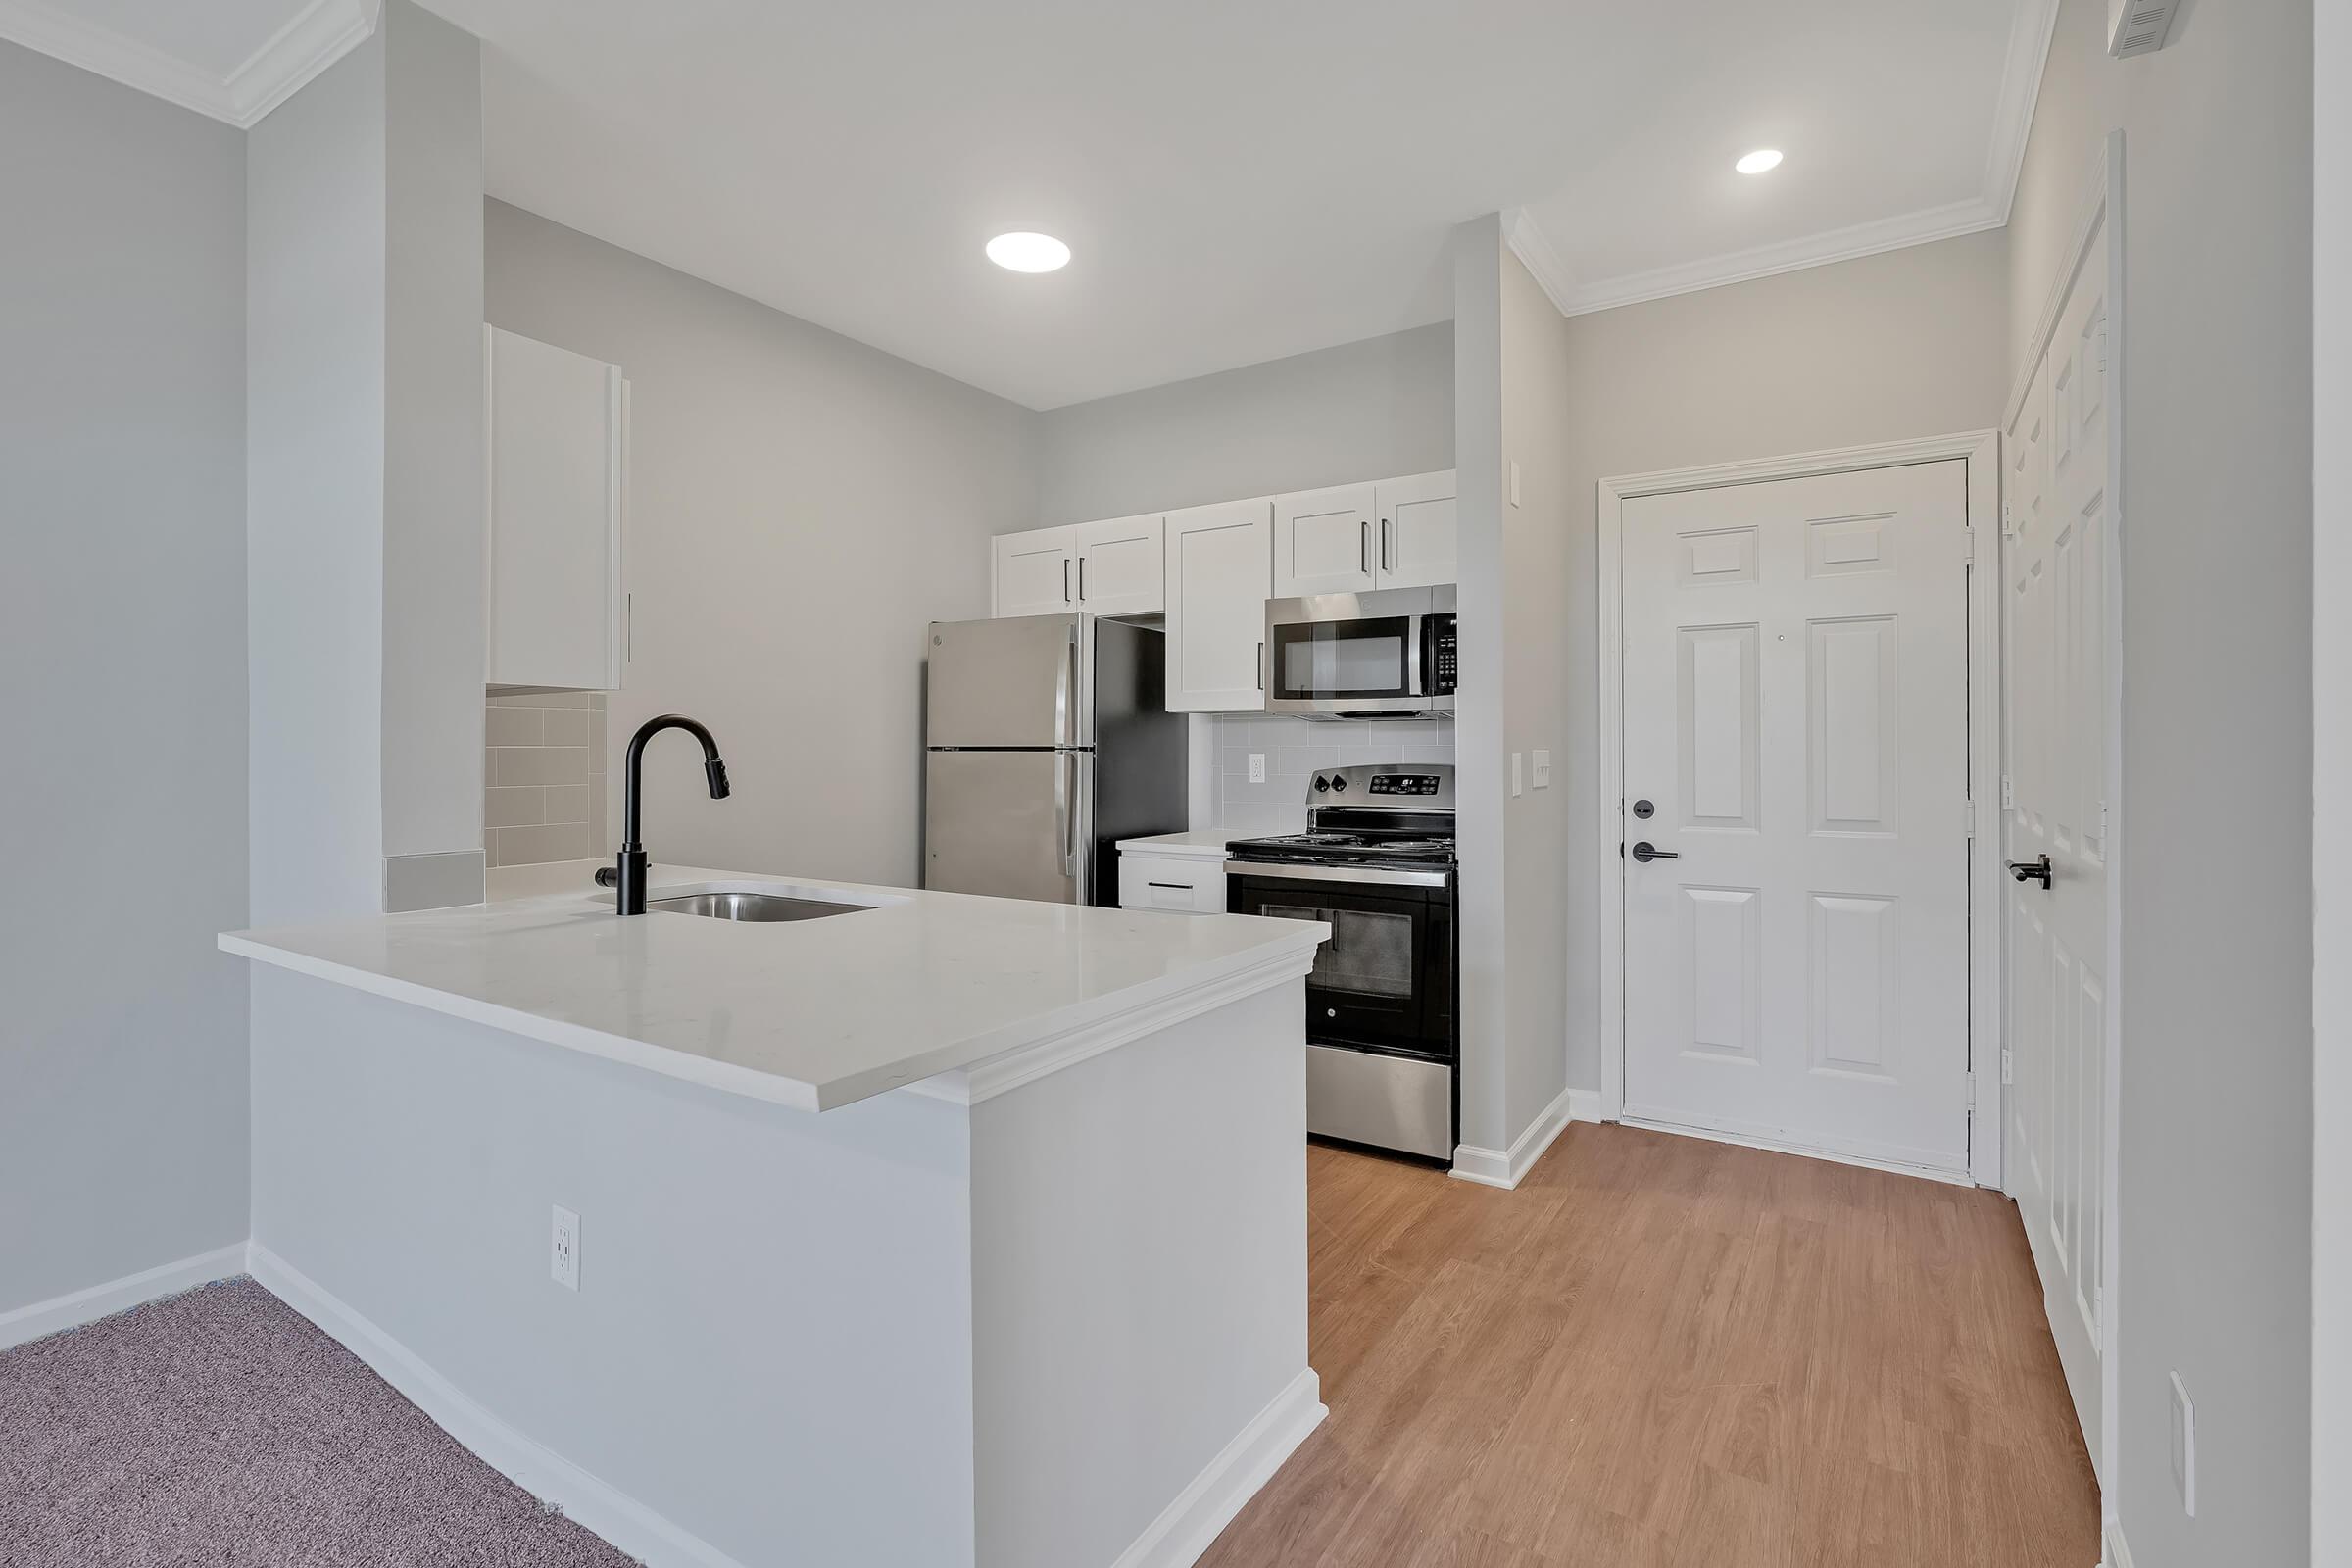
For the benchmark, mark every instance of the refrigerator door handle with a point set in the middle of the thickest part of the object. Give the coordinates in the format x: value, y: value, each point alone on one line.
x: 1065, y: 770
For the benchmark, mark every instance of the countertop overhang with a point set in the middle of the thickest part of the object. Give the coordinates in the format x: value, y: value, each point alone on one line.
x: 812, y: 1014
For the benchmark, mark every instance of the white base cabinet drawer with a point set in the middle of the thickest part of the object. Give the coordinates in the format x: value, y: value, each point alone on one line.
x: 1188, y: 887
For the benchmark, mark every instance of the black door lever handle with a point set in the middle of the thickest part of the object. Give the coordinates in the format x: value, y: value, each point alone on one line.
x: 2037, y: 870
x: 1646, y: 851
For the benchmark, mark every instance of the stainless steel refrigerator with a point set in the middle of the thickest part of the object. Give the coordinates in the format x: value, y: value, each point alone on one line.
x: 1047, y: 740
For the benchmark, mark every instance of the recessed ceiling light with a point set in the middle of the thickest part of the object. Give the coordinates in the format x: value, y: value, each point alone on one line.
x: 1762, y: 160
x: 1028, y: 253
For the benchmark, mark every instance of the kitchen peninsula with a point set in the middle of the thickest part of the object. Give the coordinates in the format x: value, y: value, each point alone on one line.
x: 942, y: 1230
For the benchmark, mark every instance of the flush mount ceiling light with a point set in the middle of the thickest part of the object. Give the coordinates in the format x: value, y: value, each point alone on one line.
x: 1763, y: 160
x: 1028, y: 253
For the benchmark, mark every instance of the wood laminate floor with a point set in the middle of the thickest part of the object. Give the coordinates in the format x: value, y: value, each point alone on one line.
x: 1663, y: 1352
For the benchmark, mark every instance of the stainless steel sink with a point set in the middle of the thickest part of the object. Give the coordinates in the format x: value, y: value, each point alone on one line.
x: 751, y: 906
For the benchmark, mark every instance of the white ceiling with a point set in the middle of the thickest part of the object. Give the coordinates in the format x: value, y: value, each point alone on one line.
x: 1239, y: 180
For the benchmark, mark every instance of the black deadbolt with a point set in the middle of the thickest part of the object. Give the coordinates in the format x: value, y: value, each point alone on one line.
x: 1645, y: 811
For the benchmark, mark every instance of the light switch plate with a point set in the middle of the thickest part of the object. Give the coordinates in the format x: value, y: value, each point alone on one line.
x: 1258, y: 768
x: 1515, y: 772
x: 1542, y: 770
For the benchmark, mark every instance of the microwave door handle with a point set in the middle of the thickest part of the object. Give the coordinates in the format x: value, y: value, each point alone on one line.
x: 1413, y: 656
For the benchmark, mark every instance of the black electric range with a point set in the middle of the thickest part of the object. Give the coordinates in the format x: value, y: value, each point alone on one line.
x: 1376, y: 865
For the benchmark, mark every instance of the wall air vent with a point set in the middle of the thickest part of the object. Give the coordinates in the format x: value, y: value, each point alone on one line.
x: 2138, y: 27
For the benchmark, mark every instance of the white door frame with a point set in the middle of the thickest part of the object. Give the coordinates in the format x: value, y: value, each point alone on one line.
x: 2103, y: 211
x: 1980, y: 450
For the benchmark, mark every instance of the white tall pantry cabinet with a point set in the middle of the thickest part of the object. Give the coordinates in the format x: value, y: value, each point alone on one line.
x: 556, y: 488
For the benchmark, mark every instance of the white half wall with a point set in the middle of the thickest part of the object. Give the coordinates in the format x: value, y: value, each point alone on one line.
x: 741, y: 1267
x: 123, y: 594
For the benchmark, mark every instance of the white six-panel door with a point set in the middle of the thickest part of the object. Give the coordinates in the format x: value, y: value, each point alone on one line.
x: 2057, y: 562
x: 1796, y: 714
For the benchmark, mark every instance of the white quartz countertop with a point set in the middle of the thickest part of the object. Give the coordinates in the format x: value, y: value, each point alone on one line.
x: 809, y: 1013
x: 1203, y: 844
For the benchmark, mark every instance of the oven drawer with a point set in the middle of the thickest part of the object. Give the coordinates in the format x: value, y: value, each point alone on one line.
x: 1165, y: 882
x: 1399, y: 1102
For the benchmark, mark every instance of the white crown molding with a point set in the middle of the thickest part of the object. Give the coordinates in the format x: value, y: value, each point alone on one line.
x: 2029, y: 34
x: 313, y: 39
x: 1529, y: 243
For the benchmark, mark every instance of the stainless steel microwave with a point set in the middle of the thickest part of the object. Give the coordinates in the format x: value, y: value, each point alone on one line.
x: 1386, y: 654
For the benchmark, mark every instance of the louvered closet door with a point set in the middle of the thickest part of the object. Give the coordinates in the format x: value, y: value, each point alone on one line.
x: 1796, y: 714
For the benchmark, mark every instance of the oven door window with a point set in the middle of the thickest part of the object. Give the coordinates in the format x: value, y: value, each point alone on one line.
x: 1383, y: 978
x: 1370, y: 954
x: 1343, y: 658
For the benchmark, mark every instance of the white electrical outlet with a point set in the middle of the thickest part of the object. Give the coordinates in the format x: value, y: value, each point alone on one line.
x: 1258, y: 768
x: 2184, y: 1447
x: 563, y: 1249
x: 1542, y: 770
x: 1516, y: 773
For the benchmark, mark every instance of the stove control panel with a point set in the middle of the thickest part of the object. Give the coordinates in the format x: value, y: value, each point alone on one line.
x: 1404, y: 784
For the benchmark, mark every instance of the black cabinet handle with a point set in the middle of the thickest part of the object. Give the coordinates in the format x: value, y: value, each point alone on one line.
x: 1646, y: 851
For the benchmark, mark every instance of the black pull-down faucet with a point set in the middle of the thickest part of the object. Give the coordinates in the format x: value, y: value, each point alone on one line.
x: 629, y: 874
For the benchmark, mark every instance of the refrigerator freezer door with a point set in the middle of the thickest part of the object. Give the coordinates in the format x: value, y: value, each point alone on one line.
x: 1008, y: 824
x: 1022, y: 681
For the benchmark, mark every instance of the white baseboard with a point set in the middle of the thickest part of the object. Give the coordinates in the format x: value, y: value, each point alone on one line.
x: 1505, y: 1168
x: 1184, y: 1529
x: 76, y: 1307
x: 2117, y: 1554
x: 629, y: 1525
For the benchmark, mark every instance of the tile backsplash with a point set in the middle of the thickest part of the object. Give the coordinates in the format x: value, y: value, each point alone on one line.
x: 1294, y: 747
x: 543, y: 795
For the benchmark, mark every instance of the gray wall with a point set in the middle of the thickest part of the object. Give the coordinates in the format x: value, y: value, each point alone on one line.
x: 1511, y: 369
x: 2215, y: 991
x: 801, y: 505
x: 2331, y: 781
x: 435, y: 517
x: 315, y: 456
x: 1360, y: 411
x: 1886, y: 348
x: 121, y: 588
x: 363, y: 413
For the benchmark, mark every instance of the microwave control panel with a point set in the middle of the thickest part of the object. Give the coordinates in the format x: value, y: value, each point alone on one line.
x: 1441, y: 655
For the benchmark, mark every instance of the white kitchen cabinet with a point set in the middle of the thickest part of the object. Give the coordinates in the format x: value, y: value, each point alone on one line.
x: 1412, y: 531
x: 1184, y: 884
x: 1359, y: 538
x: 1123, y: 567
x: 1033, y: 573
x: 1219, y: 576
x: 1113, y: 568
x: 1323, y: 542
x: 556, y: 488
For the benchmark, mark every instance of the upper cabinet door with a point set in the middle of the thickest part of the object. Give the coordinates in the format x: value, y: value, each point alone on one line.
x: 1219, y: 576
x: 558, y: 445
x: 1323, y: 542
x: 1123, y: 567
x: 1035, y: 573
x: 1414, y: 542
